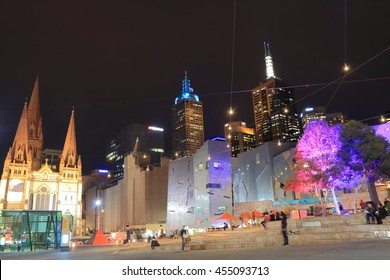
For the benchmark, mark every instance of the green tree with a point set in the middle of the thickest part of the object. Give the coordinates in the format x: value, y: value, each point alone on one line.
x: 365, y: 152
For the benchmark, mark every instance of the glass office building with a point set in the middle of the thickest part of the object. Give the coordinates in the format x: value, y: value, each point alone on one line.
x: 30, y: 230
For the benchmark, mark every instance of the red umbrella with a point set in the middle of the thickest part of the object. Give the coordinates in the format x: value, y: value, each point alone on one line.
x: 225, y: 216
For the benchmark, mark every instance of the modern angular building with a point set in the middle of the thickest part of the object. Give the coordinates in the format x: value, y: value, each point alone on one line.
x: 151, y: 144
x: 274, y: 108
x: 26, y: 184
x: 187, y: 122
x: 261, y: 173
x: 200, y: 188
x: 240, y: 137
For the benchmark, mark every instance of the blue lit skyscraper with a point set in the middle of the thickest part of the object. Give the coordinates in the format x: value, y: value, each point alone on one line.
x: 187, y: 122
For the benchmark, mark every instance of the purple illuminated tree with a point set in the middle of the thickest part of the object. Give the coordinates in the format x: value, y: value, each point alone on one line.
x: 317, y: 158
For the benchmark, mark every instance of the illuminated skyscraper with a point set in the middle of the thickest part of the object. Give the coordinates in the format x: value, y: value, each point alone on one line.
x: 274, y: 108
x: 240, y: 137
x: 187, y: 122
x: 311, y: 114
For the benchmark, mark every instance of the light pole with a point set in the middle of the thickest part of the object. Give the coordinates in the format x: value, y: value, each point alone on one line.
x: 97, y: 214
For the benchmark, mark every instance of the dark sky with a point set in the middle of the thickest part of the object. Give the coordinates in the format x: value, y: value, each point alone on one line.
x: 122, y: 62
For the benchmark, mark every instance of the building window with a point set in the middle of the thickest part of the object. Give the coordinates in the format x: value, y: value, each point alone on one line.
x: 43, y: 199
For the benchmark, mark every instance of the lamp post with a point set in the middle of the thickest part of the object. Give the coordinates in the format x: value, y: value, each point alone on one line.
x: 97, y: 214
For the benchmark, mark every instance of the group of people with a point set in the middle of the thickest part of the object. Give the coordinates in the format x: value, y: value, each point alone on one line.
x: 377, y: 213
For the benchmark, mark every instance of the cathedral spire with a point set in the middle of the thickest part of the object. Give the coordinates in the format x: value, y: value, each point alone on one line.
x: 19, y: 151
x: 269, y: 67
x: 69, y: 153
x: 35, y: 133
x: 34, y: 112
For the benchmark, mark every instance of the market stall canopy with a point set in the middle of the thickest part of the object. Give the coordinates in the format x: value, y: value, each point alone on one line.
x: 225, y: 216
x: 246, y: 215
x: 257, y: 214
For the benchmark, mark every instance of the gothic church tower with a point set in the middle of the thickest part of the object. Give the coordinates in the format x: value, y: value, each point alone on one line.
x: 27, y: 184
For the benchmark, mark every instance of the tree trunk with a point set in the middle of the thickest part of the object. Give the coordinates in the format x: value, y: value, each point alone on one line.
x: 335, y: 202
x: 355, y: 200
x: 356, y: 191
x: 323, y: 195
x: 372, y: 191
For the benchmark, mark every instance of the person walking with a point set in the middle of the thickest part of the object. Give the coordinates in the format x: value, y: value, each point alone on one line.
x: 284, y: 227
x: 185, y: 238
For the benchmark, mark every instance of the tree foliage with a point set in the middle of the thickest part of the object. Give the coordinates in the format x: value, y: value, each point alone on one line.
x: 316, y: 156
x: 335, y: 157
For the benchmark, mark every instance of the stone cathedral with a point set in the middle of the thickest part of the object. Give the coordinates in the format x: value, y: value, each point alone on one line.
x: 28, y: 182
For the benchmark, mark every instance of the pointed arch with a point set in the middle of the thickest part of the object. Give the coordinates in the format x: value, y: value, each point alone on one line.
x: 42, y: 201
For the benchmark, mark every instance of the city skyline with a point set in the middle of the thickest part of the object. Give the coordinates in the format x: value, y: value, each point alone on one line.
x: 124, y: 64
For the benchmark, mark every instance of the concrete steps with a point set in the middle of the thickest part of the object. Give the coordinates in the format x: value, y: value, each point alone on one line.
x: 319, y: 230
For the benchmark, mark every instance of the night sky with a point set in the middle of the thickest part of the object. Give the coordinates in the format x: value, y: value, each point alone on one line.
x: 122, y: 62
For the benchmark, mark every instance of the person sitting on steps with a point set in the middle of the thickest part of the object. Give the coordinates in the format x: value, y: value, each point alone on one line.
x: 370, y: 215
x: 265, y: 221
x: 380, y: 214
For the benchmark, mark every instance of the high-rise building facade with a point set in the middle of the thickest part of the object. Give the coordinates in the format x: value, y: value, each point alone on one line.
x: 274, y: 108
x: 28, y: 184
x: 336, y: 118
x: 240, y: 137
x: 311, y: 114
x: 150, y: 144
x: 187, y: 122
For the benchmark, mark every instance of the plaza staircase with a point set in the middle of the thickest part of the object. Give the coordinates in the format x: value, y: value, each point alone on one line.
x: 316, y: 230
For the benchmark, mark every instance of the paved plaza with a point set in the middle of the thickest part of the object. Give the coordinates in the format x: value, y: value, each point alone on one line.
x: 358, y: 250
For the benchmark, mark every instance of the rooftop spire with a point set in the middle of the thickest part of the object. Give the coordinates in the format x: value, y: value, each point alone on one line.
x: 69, y: 153
x: 19, y: 150
x: 34, y: 113
x: 269, y: 67
x: 186, y: 89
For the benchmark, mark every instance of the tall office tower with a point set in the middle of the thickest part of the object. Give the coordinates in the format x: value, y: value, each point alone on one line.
x: 274, y: 108
x: 151, y: 145
x: 311, y: 114
x: 240, y: 137
x: 187, y: 122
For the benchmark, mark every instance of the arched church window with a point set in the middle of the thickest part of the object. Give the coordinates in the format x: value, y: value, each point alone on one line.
x: 43, y: 198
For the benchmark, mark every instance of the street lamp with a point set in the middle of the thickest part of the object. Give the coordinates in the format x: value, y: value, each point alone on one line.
x: 97, y: 214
